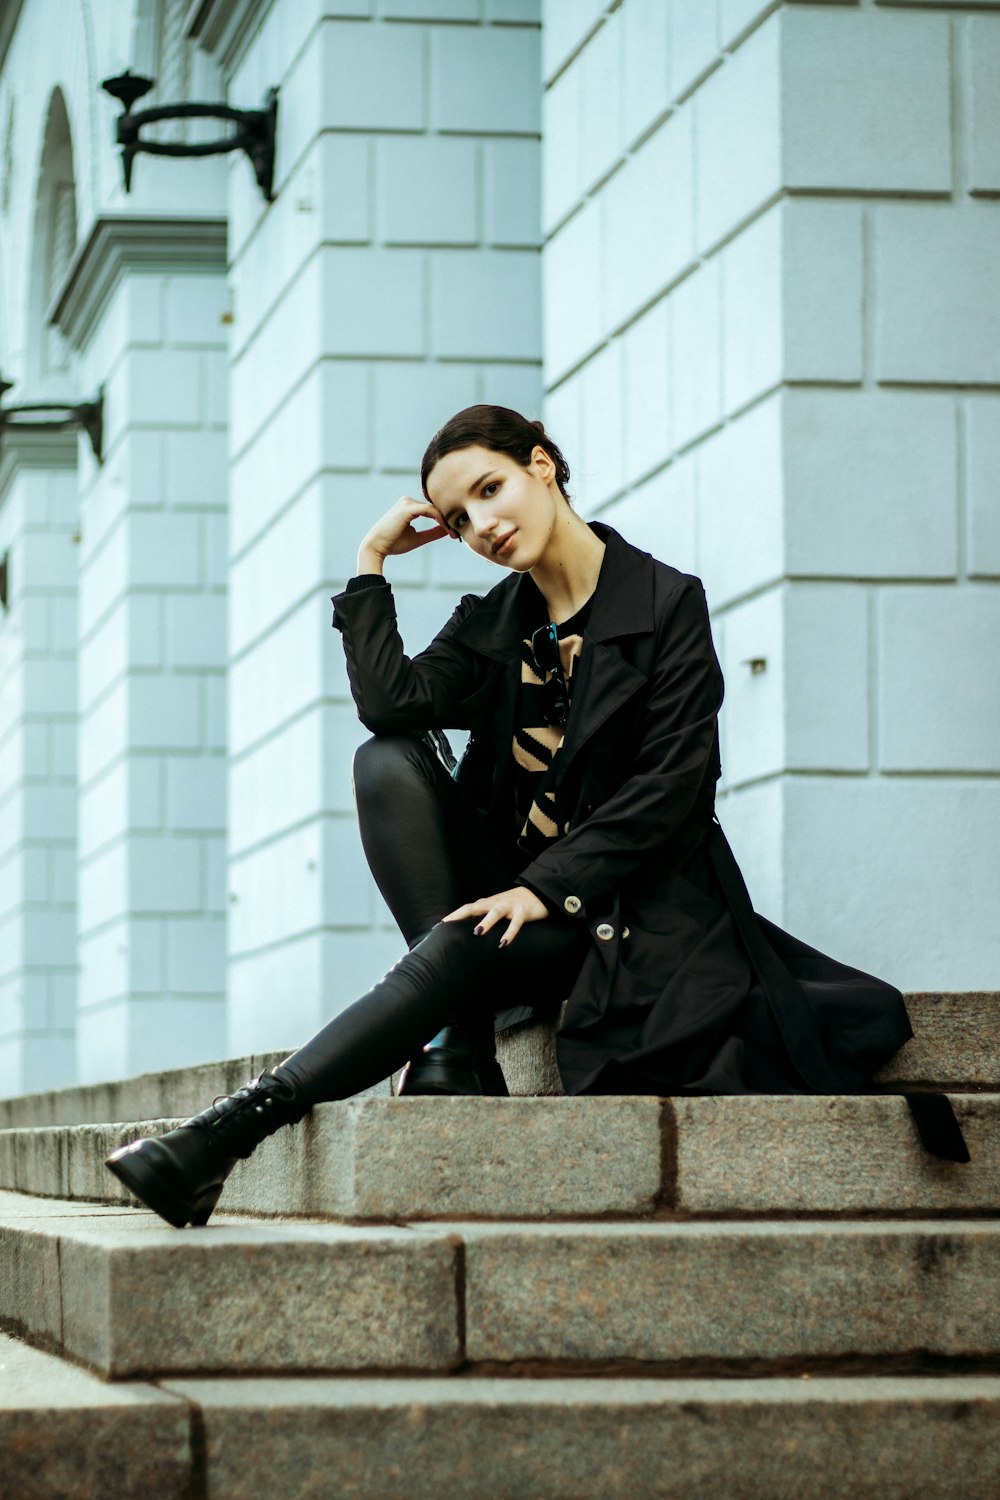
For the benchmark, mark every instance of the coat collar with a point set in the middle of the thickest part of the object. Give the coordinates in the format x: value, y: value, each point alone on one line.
x: 623, y: 602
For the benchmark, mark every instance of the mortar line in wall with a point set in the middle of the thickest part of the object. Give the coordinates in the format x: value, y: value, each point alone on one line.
x: 294, y: 166
x: 730, y: 47
x: 248, y: 851
x: 903, y: 581
x: 142, y: 835
x: 237, y: 455
x: 321, y: 701
x: 272, y: 309
x: 664, y: 291
x: 128, y: 915
x: 319, y: 929
x: 371, y: 134
x: 942, y: 387
x: 957, y: 49
x: 573, y: 54
x: 867, y: 297
x: 317, y: 593
x: 961, y: 491
x: 872, y: 612
x: 142, y: 752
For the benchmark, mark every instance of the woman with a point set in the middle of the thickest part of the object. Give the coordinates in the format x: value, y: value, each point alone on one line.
x: 572, y: 856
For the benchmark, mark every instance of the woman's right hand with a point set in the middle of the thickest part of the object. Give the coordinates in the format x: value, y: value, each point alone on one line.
x: 394, y: 533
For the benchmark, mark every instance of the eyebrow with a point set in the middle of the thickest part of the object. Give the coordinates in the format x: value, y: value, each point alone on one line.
x: 472, y: 488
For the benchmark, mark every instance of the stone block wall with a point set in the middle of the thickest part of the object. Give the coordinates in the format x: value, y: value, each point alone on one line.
x: 394, y: 280
x: 38, y: 763
x: 152, y: 656
x: 771, y: 341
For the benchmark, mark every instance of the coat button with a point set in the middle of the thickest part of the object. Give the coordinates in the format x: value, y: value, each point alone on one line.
x: 566, y: 827
x: 605, y: 932
x: 624, y: 932
x: 572, y: 904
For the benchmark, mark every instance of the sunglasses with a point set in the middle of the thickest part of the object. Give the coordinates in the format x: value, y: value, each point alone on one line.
x: 545, y: 650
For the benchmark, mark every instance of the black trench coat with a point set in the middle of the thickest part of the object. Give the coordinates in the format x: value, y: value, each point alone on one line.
x: 684, y: 989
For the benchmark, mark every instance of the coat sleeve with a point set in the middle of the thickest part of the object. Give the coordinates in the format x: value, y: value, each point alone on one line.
x: 676, y: 752
x: 396, y: 694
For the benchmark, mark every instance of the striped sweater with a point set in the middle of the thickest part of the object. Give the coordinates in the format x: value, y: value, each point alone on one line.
x: 536, y: 744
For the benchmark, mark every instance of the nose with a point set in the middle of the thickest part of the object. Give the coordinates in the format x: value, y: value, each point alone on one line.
x: 483, y: 524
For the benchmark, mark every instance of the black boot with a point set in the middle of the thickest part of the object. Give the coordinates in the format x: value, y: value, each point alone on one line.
x: 181, y: 1174
x: 461, y: 1059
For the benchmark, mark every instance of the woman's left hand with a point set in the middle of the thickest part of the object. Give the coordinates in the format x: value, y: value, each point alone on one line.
x: 519, y: 904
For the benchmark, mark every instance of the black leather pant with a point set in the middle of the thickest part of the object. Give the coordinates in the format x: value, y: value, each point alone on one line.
x: 431, y: 851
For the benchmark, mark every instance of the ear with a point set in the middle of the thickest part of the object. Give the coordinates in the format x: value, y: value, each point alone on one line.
x: 542, y: 462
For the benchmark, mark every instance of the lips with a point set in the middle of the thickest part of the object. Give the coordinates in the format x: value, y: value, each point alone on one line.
x: 501, y: 545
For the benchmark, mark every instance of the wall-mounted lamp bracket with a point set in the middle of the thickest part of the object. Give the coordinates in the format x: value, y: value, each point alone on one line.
x: 255, y: 133
x: 89, y: 415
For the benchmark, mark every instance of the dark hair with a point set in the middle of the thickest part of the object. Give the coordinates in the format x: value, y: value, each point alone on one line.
x: 499, y: 429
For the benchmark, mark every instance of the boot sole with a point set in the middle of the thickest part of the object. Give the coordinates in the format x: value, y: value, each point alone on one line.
x: 157, y: 1193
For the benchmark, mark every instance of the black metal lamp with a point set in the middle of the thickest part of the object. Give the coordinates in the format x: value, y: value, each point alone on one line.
x: 86, y: 414
x: 254, y: 135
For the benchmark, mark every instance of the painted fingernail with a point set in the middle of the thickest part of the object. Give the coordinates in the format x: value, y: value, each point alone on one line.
x: 504, y: 942
x: 478, y: 932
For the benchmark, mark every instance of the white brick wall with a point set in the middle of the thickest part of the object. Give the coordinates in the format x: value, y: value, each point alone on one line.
x: 877, y: 120
x: 152, y: 646
x: 37, y: 792
x: 780, y: 239
x: 395, y: 279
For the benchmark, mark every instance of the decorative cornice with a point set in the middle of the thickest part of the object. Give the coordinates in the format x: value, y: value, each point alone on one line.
x: 9, y: 12
x: 120, y: 243
x: 223, y: 28
x: 20, y: 448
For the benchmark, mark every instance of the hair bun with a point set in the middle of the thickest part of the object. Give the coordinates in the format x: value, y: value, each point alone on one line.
x: 536, y: 423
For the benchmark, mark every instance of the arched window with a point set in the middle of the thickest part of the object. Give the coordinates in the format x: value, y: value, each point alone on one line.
x: 54, y: 243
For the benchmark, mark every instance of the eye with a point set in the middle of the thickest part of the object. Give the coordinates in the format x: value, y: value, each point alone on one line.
x: 459, y: 521
x: 494, y: 484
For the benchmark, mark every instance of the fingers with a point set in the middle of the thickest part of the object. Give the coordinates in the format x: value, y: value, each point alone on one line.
x: 490, y: 910
x: 461, y: 912
x: 513, y: 928
x: 430, y: 534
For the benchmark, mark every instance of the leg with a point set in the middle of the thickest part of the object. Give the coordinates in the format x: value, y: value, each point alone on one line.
x: 449, y: 971
x: 429, y: 850
x: 180, y: 1175
x: 427, y: 847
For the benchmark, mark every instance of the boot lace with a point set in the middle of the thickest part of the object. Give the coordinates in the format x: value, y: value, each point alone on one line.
x: 227, y: 1115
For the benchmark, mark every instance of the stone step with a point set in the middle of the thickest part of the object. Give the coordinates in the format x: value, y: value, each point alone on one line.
x: 956, y: 1046
x: 64, y: 1433
x: 128, y: 1298
x: 781, y: 1439
x: 558, y: 1158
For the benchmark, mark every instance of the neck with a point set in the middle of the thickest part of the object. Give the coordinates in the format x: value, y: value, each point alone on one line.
x: 566, y: 573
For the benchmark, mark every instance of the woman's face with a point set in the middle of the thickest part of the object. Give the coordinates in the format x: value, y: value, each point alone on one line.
x: 502, y: 511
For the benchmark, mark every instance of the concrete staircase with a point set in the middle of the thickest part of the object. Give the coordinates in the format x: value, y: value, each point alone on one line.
x: 527, y: 1298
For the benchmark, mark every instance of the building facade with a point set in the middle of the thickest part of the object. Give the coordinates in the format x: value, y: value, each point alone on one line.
x: 743, y: 259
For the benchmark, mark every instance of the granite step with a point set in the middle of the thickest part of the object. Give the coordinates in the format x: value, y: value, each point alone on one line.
x: 406, y: 1438
x: 386, y: 1159
x: 129, y: 1298
x: 956, y: 1046
x: 65, y: 1434
x: 575, y: 1439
